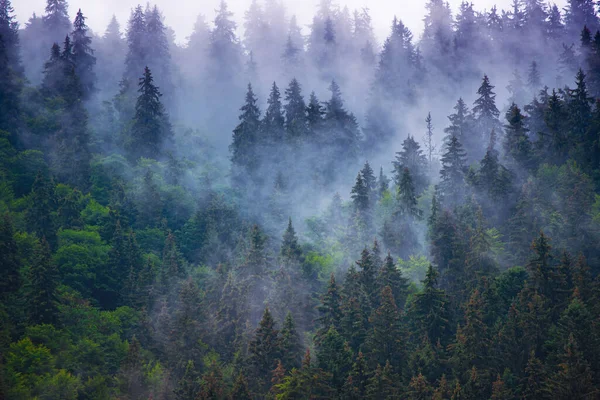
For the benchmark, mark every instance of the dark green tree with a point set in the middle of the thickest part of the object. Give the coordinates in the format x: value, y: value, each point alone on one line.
x: 83, y: 56
x: 9, y: 262
x: 43, y: 281
x: 452, y: 174
x: 245, y: 139
x: 151, y: 128
x: 290, y: 344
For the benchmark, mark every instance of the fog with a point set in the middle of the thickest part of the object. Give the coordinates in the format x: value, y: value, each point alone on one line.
x: 181, y: 14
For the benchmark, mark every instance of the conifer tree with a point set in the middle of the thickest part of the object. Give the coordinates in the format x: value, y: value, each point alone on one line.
x: 412, y: 158
x: 212, y: 385
x: 245, y: 139
x: 382, y: 384
x: 485, y: 114
x: 9, y: 32
x: 290, y: 249
x: 334, y: 357
x: 429, y: 146
x: 407, y: 200
x: 516, y: 143
x: 573, y: 380
x: 452, y: 175
x: 295, y: 111
x: 355, y: 387
x: 274, y: 120
x: 385, y: 340
x: 240, y: 389
x: 264, y: 351
x: 9, y: 263
x: 188, y: 386
x: 391, y: 276
x: 383, y: 183
x: 290, y: 344
x: 330, y: 310
x: 56, y: 21
x: 40, y: 217
x: 369, y: 178
x: 83, y: 56
x: 360, y: 195
x: 151, y: 128
x: 44, y: 279
x: 460, y: 121
x: 430, y: 309
x: 534, y: 79
x: 314, y: 113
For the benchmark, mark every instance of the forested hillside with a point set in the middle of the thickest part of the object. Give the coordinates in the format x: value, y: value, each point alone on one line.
x: 285, y: 212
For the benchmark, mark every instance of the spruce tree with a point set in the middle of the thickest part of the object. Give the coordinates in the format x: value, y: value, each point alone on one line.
x: 330, y: 310
x: 383, y: 183
x: 360, y: 195
x: 452, y: 174
x: 290, y: 249
x: 40, y: 217
x: 412, y: 158
x: 406, y: 196
x: 391, y: 276
x: 429, y: 146
x: 9, y: 32
x: 9, y: 263
x: 517, y: 145
x: 151, y: 128
x: 56, y: 21
x: 245, y: 138
x: 83, y: 56
x: 274, y: 120
x: 264, y: 351
x: 290, y: 344
x: 295, y: 112
x: 369, y: 178
x: 385, y: 340
x: 43, y: 281
x: 430, y: 309
x: 485, y: 114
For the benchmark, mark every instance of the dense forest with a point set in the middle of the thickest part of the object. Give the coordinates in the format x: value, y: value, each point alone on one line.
x: 285, y: 212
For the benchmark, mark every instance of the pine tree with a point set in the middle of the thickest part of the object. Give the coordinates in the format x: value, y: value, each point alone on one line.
x: 330, y: 310
x: 534, y: 79
x: 314, y: 113
x: 382, y: 385
x: 212, y: 385
x: 274, y: 120
x: 151, y: 128
x: 188, y: 386
x: 485, y: 114
x: 412, y: 158
x: 240, y: 389
x: 9, y: 263
x: 369, y: 178
x: 360, y: 195
x: 264, y: 351
x: 44, y: 279
x: 355, y: 387
x: 290, y: 249
x: 430, y: 309
x: 10, y: 88
x: 367, y: 274
x: 460, y: 122
x: 452, y: 175
x: 383, y: 183
x: 384, y: 342
x: 539, y: 267
x: 334, y: 357
x: 83, y: 56
x: 516, y: 143
x: 295, y: 112
x: 429, y: 146
x: 245, y: 139
x: 40, y: 217
x: 290, y: 344
x: 136, y: 58
x: 493, y: 177
x: 406, y: 196
x: 391, y: 276
x: 56, y: 21
x: 573, y: 380
x: 535, y: 377
x: 9, y: 32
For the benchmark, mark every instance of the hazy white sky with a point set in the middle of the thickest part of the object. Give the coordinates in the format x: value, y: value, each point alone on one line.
x: 181, y: 14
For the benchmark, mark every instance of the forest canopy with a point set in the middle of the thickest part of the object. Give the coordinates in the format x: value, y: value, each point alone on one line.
x: 285, y: 212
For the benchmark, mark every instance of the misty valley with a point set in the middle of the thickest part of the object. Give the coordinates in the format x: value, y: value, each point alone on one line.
x: 273, y: 210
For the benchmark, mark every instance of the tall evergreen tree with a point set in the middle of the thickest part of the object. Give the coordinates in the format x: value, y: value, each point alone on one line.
x: 245, y: 139
x: 43, y: 281
x: 151, y: 129
x: 9, y: 32
x: 9, y: 263
x: 83, y: 56
x: 453, y: 171
x: 264, y: 351
x: 412, y: 158
x: 295, y: 111
x: 56, y: 21
x: 485, y: 113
